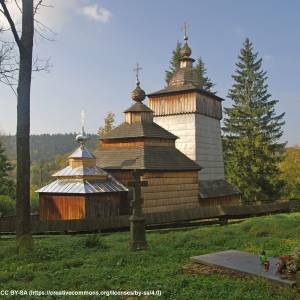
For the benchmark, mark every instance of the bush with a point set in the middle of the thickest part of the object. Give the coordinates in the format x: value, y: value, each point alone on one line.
x: 7, y: 206
x: 93, y: 241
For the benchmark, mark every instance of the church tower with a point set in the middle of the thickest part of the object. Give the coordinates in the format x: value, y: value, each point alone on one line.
x: 192, y: 114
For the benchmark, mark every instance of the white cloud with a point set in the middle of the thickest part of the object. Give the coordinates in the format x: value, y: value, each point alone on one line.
x: 96, y: 13
x: 56, y: 13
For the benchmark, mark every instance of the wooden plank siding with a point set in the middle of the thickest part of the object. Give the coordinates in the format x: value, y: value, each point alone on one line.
x: 106, y: 205
x: 60, y: 207
x: 183, y: 103
x: 165, y: 190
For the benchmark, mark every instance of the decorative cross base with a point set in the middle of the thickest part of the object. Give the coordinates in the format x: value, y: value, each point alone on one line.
x: 137, y: 233
x: 137, y: 219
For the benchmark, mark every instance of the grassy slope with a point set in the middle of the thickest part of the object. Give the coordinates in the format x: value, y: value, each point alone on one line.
x: 65, y: 263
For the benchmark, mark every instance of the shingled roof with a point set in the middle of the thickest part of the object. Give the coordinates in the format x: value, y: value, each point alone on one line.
x: 184, y: 88
x: 138, y: 107
x: 216, y: 188
x: 139, y: 129
x: 148, y: 158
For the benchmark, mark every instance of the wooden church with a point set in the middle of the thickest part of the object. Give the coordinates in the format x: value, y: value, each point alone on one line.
x: 176, y: 142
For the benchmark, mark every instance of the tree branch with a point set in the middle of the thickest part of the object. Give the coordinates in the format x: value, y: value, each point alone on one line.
x: 11, y: 23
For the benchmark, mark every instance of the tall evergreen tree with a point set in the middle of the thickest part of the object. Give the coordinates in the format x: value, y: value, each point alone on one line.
x: 7, y: 185
x: 252, y: 131
x: 205, y: 81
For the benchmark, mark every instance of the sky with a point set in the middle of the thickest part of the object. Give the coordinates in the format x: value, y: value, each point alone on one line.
x: 97, y: 44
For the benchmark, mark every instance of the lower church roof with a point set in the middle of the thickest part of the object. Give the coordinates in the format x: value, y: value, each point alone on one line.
x: 216, y: 188
x: 80, y: 186
x: 152, y: 158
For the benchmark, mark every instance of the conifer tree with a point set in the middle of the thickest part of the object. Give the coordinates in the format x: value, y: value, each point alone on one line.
x: 7, y: 186
x: 205, y: 82
x: 108, y: 124
x: 252, y: 131
x: 174, y: 63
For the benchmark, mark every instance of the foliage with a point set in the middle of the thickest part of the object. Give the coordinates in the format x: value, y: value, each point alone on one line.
x: 108, y: 124
x: 7, y: 185
x: 290, y: 172
x: 205, y: 81
x: 252, y: 132
x: 7, y: 206
x: 64, y: 262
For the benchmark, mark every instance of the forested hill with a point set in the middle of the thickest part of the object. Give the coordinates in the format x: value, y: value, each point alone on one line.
x: 46, y: 146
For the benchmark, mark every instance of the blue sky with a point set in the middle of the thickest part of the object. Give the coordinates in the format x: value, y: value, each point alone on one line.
x: 99, y: 42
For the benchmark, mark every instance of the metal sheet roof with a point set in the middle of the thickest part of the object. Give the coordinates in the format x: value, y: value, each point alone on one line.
x: 80, y: 171
x: 81, y: 153
x: 62, y: 186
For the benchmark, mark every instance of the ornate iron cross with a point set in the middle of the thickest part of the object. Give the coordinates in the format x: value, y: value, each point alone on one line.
x: 136, y: 70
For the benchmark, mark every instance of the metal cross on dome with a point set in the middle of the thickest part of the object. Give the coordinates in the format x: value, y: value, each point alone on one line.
x: 185, y: 28
x: 136, y: 70
x: 82, y: 118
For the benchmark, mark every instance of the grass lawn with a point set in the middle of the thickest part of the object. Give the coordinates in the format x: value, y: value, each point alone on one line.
x: 81, y: 262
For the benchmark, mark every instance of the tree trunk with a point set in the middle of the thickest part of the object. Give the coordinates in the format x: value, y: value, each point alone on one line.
x: 23, y: 230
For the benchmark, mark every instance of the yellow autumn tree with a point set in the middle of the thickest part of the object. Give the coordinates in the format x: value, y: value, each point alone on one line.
x: 290, y: 172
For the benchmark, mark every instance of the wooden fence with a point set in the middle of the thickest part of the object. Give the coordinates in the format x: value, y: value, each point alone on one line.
x: 223, y: 213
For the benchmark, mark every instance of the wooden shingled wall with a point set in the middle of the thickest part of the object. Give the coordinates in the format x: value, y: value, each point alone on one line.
x: 186, y: 103
x: 166, y: 191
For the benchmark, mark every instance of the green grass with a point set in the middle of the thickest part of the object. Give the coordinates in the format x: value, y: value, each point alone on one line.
x: 82, y: 262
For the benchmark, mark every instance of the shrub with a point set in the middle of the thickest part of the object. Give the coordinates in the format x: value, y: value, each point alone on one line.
x: 7, y: 206
x: 93, y: 241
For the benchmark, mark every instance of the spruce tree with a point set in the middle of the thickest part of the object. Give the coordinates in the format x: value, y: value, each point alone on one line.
x: 7, y: 185
x: 252, y: 131
x: 205, y: 82
x: 174, y: 63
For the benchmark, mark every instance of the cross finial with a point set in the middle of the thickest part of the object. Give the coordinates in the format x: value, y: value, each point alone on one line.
x: 136, y: 70
x: 185, y: 28
x: 82, y: 118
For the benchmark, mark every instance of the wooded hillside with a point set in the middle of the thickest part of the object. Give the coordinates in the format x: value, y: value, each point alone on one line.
x: 46, y: 146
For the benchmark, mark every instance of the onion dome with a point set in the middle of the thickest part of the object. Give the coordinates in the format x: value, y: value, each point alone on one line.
x: 185, y: 51
x: 138, y: 94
